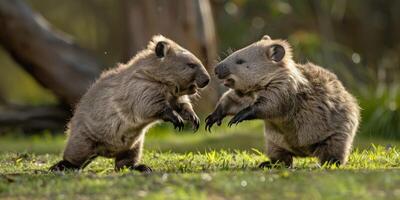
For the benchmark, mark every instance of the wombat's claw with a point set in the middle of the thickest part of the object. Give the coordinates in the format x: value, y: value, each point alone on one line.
x: 210, y: 120
x: 245, y: 114
x: 208, y: 123
x: 195, y: 121
x: 170, y: 115
x: 215, y: 117
x: 143, y: 169
x: 178, y: 123
x: 196, y: 124
x: 192, y: 118
x: 179, y: 126
x: 235, y: 120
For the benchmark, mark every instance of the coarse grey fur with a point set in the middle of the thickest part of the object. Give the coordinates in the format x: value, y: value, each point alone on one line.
x: 113, y: 116
x: 306, y: 109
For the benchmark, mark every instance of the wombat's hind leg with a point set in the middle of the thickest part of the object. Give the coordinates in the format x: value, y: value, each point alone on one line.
x: 78, y: 153
x: 125, y: 160
x: 334, y: 150
x: 279, y: 157
x: 130, y: 159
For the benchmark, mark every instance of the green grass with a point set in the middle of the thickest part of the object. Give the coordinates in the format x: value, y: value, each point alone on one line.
x: 246, y: 136
x: 370, y: 174
x: 217, y: 165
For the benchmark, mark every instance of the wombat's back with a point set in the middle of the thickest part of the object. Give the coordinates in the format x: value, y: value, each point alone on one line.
x: 326, y: 107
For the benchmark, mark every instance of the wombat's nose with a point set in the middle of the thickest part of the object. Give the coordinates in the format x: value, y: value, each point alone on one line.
x: 204, y: 82
x: 221, y: 71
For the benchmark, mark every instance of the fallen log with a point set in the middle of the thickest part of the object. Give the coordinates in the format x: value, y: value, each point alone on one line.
x: 51, y: 57
x: 30, y: 119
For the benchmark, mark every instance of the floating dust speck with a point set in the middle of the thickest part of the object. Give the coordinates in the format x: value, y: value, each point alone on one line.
x: 206, y: 177
x: 231, y: 8
x: 243, y: 183
x: 164, y: 177
x: 142, y: 193
x: 270, y: 179
x: 356, y: 58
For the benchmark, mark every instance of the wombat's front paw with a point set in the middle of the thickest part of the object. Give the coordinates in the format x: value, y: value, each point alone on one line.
x: 195, y: 122
x: 192, y: 118
x: 211, y: 120
x: 215, y: 117
x: 245, y: 114
x: 177, y: 121
x: 170, y: 115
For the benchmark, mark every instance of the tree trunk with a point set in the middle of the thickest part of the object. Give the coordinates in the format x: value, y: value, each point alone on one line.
x: 52, y: 58
x: 57, y: 63
x: 32, y: 119
x: 190, y: 23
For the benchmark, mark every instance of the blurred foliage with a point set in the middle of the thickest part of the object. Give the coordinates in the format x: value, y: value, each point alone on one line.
x: 18, y: 86
x: 358, y: 40
x: 381, y: 114
x: 355, y: 39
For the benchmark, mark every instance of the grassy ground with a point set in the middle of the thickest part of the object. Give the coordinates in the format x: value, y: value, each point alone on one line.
x: 204, y: 171
x: 370, y: 174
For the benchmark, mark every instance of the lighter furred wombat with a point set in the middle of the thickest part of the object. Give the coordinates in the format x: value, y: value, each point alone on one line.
x: 113, y: 116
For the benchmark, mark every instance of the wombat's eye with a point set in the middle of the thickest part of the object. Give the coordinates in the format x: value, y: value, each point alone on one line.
x: 240, y: 61
x: 192, y: 65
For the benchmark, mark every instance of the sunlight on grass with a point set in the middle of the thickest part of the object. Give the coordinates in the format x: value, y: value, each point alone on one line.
x: 369, y: 174
x: 218, y: 165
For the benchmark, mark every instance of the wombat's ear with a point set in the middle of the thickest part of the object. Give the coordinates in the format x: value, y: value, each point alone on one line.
x: 161, y: 49
x: 266, y: 37
x: 276, y: 52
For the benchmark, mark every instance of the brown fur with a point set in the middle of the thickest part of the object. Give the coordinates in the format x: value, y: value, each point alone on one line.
x: 306, y: 109
x: 113, y: 116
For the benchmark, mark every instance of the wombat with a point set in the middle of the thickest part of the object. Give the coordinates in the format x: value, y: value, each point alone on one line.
x: 306, y: 109
x: 113, y: 116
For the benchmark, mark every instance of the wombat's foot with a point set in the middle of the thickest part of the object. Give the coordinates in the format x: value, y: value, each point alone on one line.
x: 269, y: 164
x: 63, y: 166
x: 333, y: 151
x: 192, y: 118
x: 245, y: 114
x: 216, y: 117
x: 172, y: 116
x: 143, y: 169
x: 128, y: 163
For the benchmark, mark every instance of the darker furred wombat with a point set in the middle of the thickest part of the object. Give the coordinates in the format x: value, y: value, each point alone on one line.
x: 113, y: 116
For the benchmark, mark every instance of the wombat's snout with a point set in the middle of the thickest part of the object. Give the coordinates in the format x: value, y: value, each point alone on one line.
x: 203, y: 81
x: 221, y: 71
